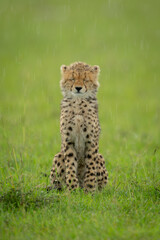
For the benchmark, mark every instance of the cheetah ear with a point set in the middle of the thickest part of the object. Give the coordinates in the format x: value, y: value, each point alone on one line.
x: 63, y: 68
x: 96, y: 69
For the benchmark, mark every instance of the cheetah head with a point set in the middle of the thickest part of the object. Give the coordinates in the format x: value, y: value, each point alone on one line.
x: 79, y: 80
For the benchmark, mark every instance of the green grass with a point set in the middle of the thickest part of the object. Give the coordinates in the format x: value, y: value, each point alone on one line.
x: 122, y: 37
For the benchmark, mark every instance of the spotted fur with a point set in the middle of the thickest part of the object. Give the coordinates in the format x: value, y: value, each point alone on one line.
x: 79, y: 163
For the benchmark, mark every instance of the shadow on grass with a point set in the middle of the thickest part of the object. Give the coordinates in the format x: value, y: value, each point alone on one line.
x: 15, y: 198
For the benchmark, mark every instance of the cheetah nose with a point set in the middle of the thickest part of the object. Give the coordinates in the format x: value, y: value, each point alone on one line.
x: 78, y: 89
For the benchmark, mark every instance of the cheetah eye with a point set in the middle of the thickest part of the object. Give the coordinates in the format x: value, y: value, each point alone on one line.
x: 86, y: 80
x: 72, y: 79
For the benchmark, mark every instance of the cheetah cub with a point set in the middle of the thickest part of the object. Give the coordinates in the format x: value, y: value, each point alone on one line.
x: 79, y: 164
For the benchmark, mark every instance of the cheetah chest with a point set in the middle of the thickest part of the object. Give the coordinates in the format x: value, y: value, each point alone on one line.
x: 78, y: 136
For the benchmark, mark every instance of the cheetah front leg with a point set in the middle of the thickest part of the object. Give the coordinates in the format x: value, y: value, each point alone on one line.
x: 71, y: 167
x: 57, y: 175
x: 102, y: 174
x: 90, y: 181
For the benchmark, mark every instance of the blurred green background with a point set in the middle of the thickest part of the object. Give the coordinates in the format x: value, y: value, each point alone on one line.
x: 123, y: 38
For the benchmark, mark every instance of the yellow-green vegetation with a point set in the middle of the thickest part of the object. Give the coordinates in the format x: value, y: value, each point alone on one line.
x: 122, y: 37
